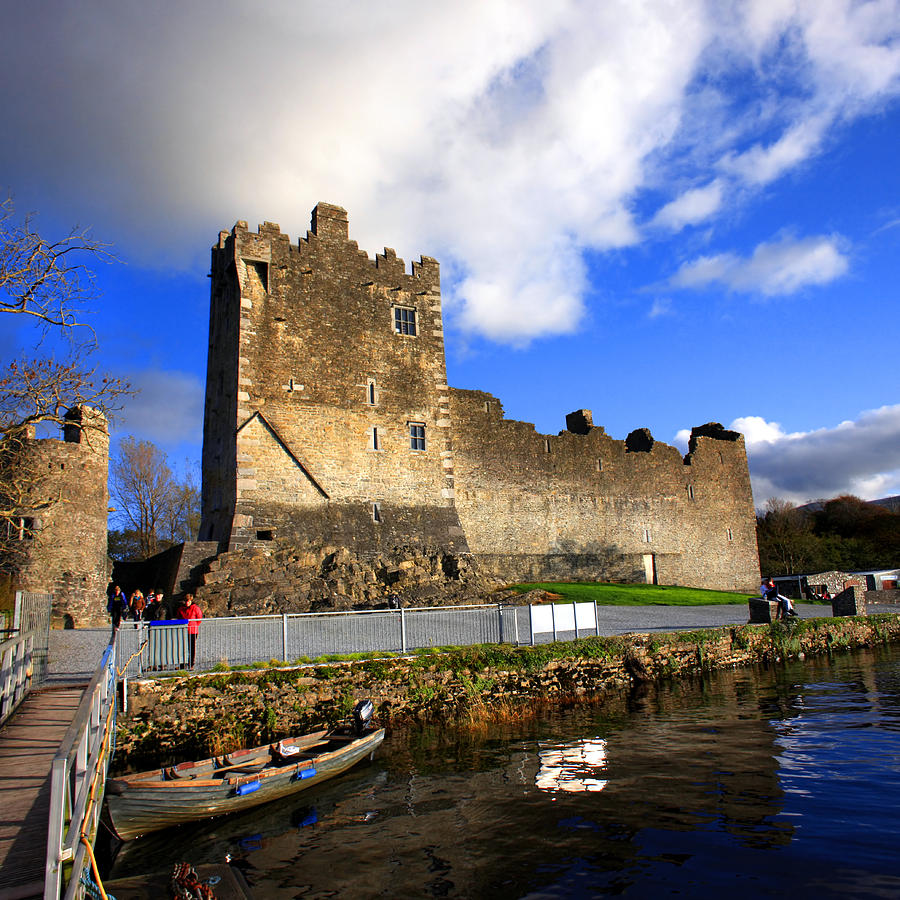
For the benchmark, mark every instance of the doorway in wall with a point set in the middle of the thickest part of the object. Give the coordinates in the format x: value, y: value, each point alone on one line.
x: 650, y: 568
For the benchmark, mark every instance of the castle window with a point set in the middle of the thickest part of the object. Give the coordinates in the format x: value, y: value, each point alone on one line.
x: 729, y: 534
x: 546, y: 445
x: 416, y: 436
x: 257, y: 275
x: 375, y: 442
x: 405, y: 320
x: 599, y: 465
x: 376, y: 512
x: 370, y: 392
x: 648, y: 537
x: 690, y: 490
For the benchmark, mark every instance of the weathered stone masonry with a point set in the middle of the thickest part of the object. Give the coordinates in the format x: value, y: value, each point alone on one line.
x: 66, y: 536
x: 329, y: 421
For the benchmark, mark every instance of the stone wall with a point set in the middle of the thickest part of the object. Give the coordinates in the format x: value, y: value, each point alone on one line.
x: 582, y: 505
x: 67, y: 553
x: 173, y: 719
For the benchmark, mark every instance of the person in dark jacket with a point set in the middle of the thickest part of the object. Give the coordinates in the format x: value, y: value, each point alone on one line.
x: 117, y: 607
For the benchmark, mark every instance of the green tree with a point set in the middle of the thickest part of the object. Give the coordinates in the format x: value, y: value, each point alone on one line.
x: 787, y: 545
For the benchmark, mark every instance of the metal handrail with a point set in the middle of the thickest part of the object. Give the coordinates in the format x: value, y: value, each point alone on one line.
x: 78, y: 776
x: 16, y: 671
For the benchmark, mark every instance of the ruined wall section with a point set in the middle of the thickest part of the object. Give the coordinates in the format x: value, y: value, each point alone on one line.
x: 327, y: 390
x: 66, y: 550
x: 583, y: 505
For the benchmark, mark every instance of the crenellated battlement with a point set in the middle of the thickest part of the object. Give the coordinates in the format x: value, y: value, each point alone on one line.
x: 329, y: 229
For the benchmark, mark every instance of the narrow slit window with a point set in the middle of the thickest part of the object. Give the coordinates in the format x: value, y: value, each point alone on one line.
x: 376, y: 512
x: 648, y: 537
x: 370, y: 392
x: 405, y: 320
x: 416, y: 436
x: 599, y: 465
x: 546, y: 445
x: 375, y: 443
x: 690, y: 490
x: 729, y: 534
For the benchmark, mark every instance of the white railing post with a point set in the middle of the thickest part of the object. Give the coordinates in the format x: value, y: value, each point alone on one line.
x: 402, y: 632
x: 284, y: 638
x: 553, y: 619
x: 531, y: 622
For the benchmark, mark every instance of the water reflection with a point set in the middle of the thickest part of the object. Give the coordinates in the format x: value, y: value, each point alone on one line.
x: 573, y: 767
x: 749, y: 782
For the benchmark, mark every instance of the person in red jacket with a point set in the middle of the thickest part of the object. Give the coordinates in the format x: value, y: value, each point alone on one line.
x: 190, y: 611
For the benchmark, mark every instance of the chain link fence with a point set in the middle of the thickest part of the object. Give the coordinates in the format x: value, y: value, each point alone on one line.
x: 240, y: 641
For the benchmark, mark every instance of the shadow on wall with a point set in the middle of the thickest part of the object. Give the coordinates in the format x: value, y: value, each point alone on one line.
x: 568, y: 561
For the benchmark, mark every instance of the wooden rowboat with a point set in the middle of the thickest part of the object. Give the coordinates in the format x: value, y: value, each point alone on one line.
x: 150, y: 801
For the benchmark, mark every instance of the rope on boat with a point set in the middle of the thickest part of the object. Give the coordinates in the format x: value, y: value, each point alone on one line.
x: 186, y: 884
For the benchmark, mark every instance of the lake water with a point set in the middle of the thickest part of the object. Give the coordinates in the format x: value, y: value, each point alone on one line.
x: 743, y: 784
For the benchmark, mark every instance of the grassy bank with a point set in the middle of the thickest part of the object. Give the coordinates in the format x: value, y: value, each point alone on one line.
x: 633, y: 594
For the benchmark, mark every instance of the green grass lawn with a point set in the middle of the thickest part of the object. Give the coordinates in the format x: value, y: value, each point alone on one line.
x: 633, y: 594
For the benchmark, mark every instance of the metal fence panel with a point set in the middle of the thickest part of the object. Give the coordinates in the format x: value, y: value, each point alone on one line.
x: 452, y: 626
x: 311, y: 635
x: 237, y: 641
x: 33, y: 614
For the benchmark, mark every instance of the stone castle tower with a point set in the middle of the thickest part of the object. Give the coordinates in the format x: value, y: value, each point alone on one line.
x: 329, y: 421
x: 327, y: 408
x: 62, y: 525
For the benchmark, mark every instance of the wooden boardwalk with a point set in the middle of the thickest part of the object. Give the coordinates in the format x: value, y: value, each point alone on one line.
x: 28, y: 743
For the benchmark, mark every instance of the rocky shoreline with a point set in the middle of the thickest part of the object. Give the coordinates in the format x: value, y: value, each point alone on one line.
x: 182, y: 717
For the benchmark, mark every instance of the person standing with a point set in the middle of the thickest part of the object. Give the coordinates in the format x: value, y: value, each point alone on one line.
x: 190, y: 611
x: 138, y: 602
x: 117, y: 607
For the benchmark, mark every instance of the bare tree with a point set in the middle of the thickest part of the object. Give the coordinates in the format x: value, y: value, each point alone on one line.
x: 47, y: 282
x: 142, y: 487
x: 183, y: 520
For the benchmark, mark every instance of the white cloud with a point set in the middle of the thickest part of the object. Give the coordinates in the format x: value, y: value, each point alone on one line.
x: 761, y: 165
x: 859, y: 457
x: 691, y: 207
x: 505, y: 137
x: 167, y: 408
x: 662, y: 306
x: 775, y: 268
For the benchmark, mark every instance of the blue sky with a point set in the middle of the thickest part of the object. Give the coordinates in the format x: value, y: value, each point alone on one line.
x: 669, y: 212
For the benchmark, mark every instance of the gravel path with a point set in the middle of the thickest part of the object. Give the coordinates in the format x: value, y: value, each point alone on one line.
x: 75, y: 654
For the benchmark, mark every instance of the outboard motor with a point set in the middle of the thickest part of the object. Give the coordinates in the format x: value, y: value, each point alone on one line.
x: 362, y: 715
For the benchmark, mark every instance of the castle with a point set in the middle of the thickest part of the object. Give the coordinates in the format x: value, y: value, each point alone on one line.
x: 329, y: 420
x: 57, y: 542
